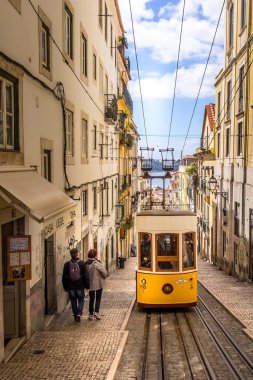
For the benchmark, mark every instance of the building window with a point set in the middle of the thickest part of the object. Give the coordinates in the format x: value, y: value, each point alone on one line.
x: 94, y: 66
x: 95, y: 137
x: 218, y: 108
x: 237, y: 219
x: 243, y: 13
x: 68, y: 19
x: 111, y: 41
x: 231, y: 26
x: 69, y: 133
x: 228, y: 99
x: 101, y: 82
x: 100, y: 13
x: 239, y: 139
x: 84, y: 138
x: 85, y: 202
x: 106, y: 22
x: 112, y: 183
x: 241, y: 89
x: 106, y: 84
x: 107, y: 147
x: 47, y: 165
x: 227, y: 141
x: 94, y: 197
x: 101, y: 153
x: 8, y: 112
x: 224, y: 243
x: 84, y: 55
x: 45, y: 47
x: 218, y: 145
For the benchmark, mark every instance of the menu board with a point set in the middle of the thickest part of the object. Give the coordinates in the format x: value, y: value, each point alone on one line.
x: 19, y: 258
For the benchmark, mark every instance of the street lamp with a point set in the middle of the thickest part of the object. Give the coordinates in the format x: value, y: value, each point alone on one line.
x: 213, y: 184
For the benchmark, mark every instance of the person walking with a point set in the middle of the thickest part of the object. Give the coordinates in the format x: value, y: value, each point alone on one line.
x: 75, y: 279
x: 97, y: 278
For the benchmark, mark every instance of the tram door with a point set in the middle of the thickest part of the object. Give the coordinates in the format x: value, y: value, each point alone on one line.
x: 49, y: 265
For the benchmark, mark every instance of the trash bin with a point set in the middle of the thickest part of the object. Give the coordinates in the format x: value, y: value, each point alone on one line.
x: 122, y: 262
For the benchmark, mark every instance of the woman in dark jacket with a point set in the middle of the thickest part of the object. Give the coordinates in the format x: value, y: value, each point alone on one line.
x: 97, y: 278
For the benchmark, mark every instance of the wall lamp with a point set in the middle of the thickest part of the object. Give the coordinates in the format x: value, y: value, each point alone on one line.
x: 213, y: 187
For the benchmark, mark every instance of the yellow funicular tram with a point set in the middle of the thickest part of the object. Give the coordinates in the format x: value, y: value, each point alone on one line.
x: 167, y: 266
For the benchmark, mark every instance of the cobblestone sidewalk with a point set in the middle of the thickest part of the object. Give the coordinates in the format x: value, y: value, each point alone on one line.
x: 235, y: 295
x: 78, y: 351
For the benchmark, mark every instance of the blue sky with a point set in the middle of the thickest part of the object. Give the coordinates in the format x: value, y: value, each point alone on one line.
x: 157, y: 26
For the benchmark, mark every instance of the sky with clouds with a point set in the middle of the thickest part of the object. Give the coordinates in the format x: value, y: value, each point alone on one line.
x: 157, y: 26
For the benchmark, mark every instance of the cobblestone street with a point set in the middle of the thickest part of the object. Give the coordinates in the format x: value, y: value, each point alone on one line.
x: 71, y: 350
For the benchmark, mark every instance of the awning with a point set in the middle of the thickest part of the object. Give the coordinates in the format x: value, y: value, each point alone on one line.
x: 27, y: 188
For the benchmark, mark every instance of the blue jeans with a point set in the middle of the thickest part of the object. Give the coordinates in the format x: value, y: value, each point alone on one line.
x: 77, y: 300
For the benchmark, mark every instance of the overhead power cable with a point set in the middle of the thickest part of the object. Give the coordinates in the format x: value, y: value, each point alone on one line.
x: 60, y: 51
x: 175, y: 84
x: 204, y: 73
x: 138, y: 71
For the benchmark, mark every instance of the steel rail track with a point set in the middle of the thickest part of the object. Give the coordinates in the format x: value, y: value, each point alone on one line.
x: 224, y: 352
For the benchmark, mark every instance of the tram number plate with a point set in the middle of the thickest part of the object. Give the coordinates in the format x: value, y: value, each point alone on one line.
x: 181, y: 281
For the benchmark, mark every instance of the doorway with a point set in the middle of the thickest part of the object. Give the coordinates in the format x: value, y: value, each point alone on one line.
x: 107, y: 257
x: 49, y: 265
x: 13, y: 292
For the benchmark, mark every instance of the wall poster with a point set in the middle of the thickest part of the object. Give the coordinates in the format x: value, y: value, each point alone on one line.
x: 19, y: 265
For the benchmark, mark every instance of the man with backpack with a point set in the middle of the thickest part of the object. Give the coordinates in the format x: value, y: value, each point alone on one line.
x: 75, y: 279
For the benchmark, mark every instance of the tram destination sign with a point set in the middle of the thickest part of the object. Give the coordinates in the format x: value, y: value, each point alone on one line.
x: 19, y: 266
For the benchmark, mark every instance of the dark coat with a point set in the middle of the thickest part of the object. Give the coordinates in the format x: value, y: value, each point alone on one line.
x: 83, y: 283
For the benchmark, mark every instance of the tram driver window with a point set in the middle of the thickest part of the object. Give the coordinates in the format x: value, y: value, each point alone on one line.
x: 145, y: 250
x: 188, y: 250
x: 167, y: 252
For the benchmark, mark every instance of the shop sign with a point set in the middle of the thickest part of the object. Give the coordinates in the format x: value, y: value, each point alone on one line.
x: 19, y: 266
x: 57, y: 223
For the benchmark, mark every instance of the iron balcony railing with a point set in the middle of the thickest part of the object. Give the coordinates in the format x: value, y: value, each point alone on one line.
x: 127, y: 97
x: 110, y: 109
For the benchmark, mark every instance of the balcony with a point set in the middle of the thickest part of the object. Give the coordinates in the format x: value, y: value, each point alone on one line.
x: 119, y: 213
x: 127, y: 140
x: 121, y: 119
x: 127, y: 97
x: 110, y: 109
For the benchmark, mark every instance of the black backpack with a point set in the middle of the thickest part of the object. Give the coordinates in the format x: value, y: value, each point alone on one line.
x: 74, y: 270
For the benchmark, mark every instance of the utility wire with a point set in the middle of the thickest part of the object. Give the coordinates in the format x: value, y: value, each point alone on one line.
x: 175, y: 84
x: 202, y: 80
x: 137, y: 65
x: 58, y: 48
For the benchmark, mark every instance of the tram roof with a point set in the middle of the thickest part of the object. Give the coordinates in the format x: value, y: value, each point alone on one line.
x: 166, y: 213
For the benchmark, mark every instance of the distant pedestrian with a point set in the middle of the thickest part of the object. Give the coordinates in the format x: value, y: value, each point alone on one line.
x: 75, y: 279
x: 97, y: 274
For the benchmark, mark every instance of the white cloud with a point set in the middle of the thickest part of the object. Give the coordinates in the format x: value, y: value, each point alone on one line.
x: 189, y: 79
x: 158, y: 36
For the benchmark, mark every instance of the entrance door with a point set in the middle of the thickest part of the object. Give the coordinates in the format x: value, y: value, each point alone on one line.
x: 11, y: 290
x: 49, y: 264
x: 85, y: 247
x: 107, y: 257
x: 251, y: 245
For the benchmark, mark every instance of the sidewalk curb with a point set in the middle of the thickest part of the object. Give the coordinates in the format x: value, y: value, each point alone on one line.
x: 112, y: 372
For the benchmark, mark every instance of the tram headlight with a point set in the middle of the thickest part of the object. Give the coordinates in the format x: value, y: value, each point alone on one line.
x: 167, y: 288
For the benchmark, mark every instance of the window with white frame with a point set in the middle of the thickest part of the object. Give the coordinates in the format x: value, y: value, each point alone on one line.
x: 243, y: 13
x: 94, y: 66
x: 101, y: 144
x: 228, y: 99
x: 84, y: 55
x: 94, y: 189
x: 95, y: 137
x: 239, y: 139
x: 112, y: 193
x: 47, y: 165
x: 231, y: 26
x: 8, y: 113
x: 69, y: 133
x: 219, y: 108
x: 45, y: 46
x: 85, y: 202
x: 241, y: 89
x: 101, y: 82
x: 100, y: 13
x: 68, y: 19
x: 85, y: 138
x: 218, y: 145
x: 106, y: 22
x: 107, y: 147
x: 227, y: 142
x: 106, y: 84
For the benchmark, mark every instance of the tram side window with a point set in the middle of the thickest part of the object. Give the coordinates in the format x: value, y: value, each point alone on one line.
x: 188, y: 250
x: 167, y: 252
x: 145, y: 250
